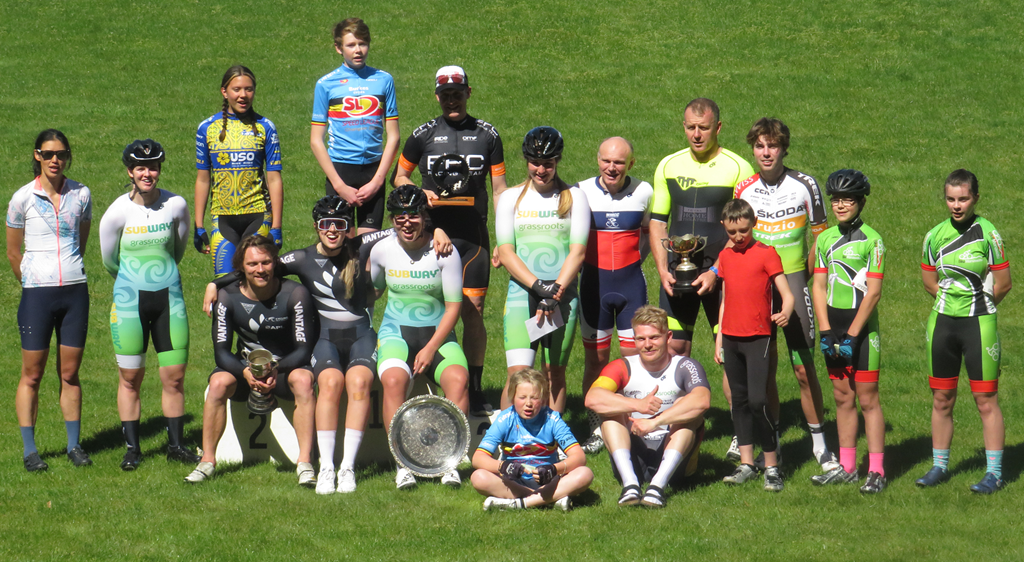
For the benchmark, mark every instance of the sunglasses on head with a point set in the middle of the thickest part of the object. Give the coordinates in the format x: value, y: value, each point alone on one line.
x: 450, y: 79
x: 339, y: 224
x: 61, y: 155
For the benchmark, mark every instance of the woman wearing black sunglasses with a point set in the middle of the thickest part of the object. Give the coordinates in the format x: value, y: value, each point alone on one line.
x: 50, y: 217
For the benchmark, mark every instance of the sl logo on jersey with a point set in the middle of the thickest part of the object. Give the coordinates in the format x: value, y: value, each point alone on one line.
x: 356, y: 106
x: 876, y: 344
x: 993, y: 351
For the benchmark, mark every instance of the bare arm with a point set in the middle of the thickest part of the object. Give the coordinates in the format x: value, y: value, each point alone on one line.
x: 316, y: 144
x: 684, y: 410
x: 391, y: 132
x: 452, y: 310
x: 83, y: 235
x: 867, y: 306
x: 1001, y: 284
x: 658, y: 232
x: 931, y: 282
x: 202, y: 196
x: 515, y: 266
x: 15, y: 239
x: 819, y: 296
x: 608, y: 403
x: 572, y: 264
x: 275, y: 188
x: 781, y: 318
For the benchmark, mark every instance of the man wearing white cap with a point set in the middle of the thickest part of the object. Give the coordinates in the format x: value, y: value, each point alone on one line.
x: 477, y: 142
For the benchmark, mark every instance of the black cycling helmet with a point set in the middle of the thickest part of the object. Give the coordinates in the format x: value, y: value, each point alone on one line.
x: 852, y: 183
x: 331, y: 207
x: 451, y: 175
x: 406, y: 199
x: 141, y: 152
x: 543, y: 143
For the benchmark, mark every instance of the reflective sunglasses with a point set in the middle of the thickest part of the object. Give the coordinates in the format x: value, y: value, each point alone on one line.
x: 450, y: 79
x: 339, y: 224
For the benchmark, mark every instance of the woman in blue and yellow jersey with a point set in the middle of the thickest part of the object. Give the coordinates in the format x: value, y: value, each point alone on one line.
x: 238, y: 156
x: 964, y: 267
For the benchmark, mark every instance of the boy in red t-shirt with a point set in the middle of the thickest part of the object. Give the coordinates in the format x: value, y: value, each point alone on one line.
x: 746, y: 338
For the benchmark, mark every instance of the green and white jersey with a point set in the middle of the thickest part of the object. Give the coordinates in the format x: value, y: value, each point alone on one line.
x: 541, y: 238
x: 418, y: 283
x: 850, y: 255
x: 142, y: 245
x: 964, y: 257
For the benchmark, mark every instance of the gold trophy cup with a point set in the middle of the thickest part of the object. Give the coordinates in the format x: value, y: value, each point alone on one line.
x: 685, y: 247
x: 261, y: 363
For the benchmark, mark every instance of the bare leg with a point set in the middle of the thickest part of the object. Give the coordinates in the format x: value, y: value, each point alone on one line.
x: 991, y: 420
x: 300, y: 381
x: 846, y: 412
x: 357, y: 384
x: 173, y: 396
x: 222, y: 386
x: 26, y: 399
x: 69, y: 361
x: 395, y: 382
x: 556, y: 377
x: 128, y: 405
x: 455, y: 384
x: 874, y: 421
x: 331, y: 382
x: 474, y: 332
x: 943, y: 401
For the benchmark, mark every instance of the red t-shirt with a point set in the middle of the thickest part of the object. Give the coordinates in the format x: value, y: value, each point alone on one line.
x: 748, y: 274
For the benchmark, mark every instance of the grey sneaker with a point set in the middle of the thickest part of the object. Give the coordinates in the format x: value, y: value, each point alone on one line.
x: 743, y: 473
x: 733, y: 454
x: 501, y: 504
x: 874, y: 484
x: 451, y: 478
x: 594, y: 443
x: 202, y: 472
x: 306, y: 474
x: 773, y: 479
x: 325, y: 482
x: 837, y: 475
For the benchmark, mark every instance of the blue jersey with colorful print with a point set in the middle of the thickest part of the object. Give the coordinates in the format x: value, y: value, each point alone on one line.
x: 534, y: 441
x: 237, y: 163
x: 354, y: 104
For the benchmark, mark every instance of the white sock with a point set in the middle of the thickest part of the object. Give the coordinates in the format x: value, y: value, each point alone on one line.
x: 624, y: 463
x: 817, y: 437
x: 353, y: 439
x: 669, y: 464
x: 325, y: 440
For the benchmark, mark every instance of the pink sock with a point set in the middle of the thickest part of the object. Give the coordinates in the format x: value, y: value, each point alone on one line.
x: 875, y: 463
x: 848, y: 458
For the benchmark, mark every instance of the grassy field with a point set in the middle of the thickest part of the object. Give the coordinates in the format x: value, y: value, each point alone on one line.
x: 905, y: 91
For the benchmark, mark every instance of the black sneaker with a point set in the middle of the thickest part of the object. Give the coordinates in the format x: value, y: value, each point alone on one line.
x: 478, y: 405
x: 182, y: 454
x: 989, y: 484
x: 35, y: 464
x: 935, y: 476
x: 78, y: 457
x: 131, y: 461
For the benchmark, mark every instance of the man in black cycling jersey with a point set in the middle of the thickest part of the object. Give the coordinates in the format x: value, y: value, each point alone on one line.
x: 265, y: 312
x: 455, y: 132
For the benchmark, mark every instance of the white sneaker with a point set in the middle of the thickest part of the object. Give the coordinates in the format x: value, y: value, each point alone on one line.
x: 202, y: 472
x: 404, y: 479
x: 325, y: 482
x: 826, y: 459
x: 306, y: 474
x: 452, y: 479
x: 733, y: 454
x: 346, y: 481
x: 565, y: 504
x: 502, y: 504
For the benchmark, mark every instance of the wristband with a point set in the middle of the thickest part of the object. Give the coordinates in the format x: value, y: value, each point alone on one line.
x: 714, y: 270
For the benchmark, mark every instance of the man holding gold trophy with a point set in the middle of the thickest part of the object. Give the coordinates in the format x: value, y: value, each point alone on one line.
x: 455, y: 153
x: 275, y: 321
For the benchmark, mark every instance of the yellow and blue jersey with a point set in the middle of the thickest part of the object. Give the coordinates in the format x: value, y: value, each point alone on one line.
x: 238, y: 163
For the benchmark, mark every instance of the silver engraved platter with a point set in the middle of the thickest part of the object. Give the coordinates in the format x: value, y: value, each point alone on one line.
x: 429, y: 435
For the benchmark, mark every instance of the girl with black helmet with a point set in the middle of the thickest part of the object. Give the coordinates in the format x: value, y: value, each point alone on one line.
x: 143, y: 235
x: 50, y: 216
x: 417, y: 335
x: 965, y: 268
x: 542, y: 226
x: 237, y: 156
x: 850, y: 259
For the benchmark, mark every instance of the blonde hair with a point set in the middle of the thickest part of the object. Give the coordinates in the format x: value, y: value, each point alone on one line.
x: 564, y: 195
x: 650, y: 315
x: 529, y: 376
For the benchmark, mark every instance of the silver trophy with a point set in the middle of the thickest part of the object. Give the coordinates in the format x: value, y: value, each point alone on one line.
x: 429, y: 435
x: 685, y: 247
x: 261, y: 364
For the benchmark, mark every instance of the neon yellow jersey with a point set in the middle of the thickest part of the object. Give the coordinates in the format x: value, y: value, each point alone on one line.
x: 693, y: 194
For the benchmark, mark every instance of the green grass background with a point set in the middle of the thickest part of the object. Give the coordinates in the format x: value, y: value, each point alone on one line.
x: 904, y: 90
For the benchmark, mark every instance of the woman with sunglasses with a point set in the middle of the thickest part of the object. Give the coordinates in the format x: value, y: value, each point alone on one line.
x: 424, y: 302
x: 50, y: 217
x: 238, y: 158
x: 542, y: 228
x: 965, y: 268
x: 143, y: 235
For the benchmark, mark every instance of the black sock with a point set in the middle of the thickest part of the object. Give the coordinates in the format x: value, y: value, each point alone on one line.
x: 476, y: 377
x: 175, y: 431
x: 131, y: 434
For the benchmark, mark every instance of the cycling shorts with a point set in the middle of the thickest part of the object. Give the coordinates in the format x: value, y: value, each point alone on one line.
x: 401, y: 352
x: 521, y: 305
x: 866, y: 359
x: 683, y: 309
x: 799, y: 332
x: 229, y: 231
x: 608, y: 300
x: 137, y: 315
x: 43, y: 310
x: 647, y: 459
x: 975, y: 340
x: 476, y: 264
x: 342, y: 350
x: 371, y: 213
